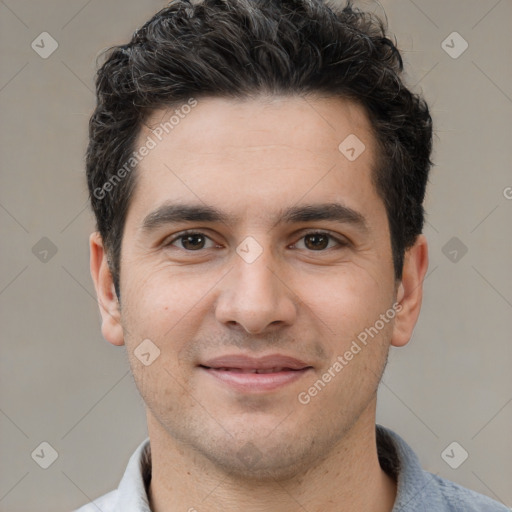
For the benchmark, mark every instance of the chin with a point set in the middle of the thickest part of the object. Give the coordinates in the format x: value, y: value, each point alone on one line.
x: 264, y: 454
x: 251, y: 463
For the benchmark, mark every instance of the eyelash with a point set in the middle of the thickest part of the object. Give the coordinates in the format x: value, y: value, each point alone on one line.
x: 183, y: 234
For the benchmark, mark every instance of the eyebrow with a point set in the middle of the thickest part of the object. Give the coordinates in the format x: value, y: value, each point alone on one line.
x: 170, y: 213
x: 325, y: 211
x: 173, y: 213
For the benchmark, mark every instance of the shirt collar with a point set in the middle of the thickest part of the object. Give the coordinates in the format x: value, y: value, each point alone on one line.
x: 134, y: 486
x: 401, y: 463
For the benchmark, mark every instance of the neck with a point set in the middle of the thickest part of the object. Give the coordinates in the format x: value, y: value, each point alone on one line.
x: 350, y: 479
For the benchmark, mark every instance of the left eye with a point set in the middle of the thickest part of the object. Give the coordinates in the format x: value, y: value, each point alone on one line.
x: 193, y: 242
x: 317, y: 242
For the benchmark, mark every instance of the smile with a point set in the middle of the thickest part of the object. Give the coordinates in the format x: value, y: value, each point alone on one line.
x: 255, y: 375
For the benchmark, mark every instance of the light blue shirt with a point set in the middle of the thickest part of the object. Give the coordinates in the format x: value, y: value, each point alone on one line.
x: 417, y: 490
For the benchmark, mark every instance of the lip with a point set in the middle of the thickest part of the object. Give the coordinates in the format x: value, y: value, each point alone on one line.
x: 243, y: 362
x: 240, y: 372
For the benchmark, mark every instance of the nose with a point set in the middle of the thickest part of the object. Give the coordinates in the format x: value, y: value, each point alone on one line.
x: 256, y: 297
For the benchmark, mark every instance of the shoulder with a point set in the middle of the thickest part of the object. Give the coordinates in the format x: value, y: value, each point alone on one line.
x: 105, y: 503
x: 419, y: 490
x: 460, y: 499
x: 133, y: 486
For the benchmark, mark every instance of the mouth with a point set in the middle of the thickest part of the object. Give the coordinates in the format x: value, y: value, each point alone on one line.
x: 255, y: 375
x: 254, y: 370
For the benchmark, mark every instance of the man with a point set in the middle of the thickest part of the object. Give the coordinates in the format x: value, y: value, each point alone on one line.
x: 257, y: 170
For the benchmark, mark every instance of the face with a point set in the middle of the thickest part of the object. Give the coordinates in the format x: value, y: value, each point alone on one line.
x: 256, y: 258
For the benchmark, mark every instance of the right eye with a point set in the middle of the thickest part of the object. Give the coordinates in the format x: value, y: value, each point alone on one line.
x: 191, y: 241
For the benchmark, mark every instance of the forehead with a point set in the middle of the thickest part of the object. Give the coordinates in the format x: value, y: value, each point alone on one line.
x: 312, y: 123
x: 257, y: 155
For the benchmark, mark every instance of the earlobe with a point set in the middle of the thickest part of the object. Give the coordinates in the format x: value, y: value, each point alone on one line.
x: 107, y: 299
x: 410, y: 291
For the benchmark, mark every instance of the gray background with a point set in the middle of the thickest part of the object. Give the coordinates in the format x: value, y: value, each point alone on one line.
x: 63, y: 384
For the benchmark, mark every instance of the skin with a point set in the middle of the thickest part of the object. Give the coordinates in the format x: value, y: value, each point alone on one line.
x: 252, y: 160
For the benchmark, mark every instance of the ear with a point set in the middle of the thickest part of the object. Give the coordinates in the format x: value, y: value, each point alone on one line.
x: 107, y: 299
x: 410, y: 292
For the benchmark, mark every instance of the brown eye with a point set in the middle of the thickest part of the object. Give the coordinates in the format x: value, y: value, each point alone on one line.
x: 316, y: 241
x: 193, y: 242
x: 320, y: 241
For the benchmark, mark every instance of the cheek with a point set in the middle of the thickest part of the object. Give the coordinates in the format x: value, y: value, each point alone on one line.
x: 159, y: 299
x: 345, y: 303
x: 160, y: 308
x: 169, y: 308
x: 161, y: 388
